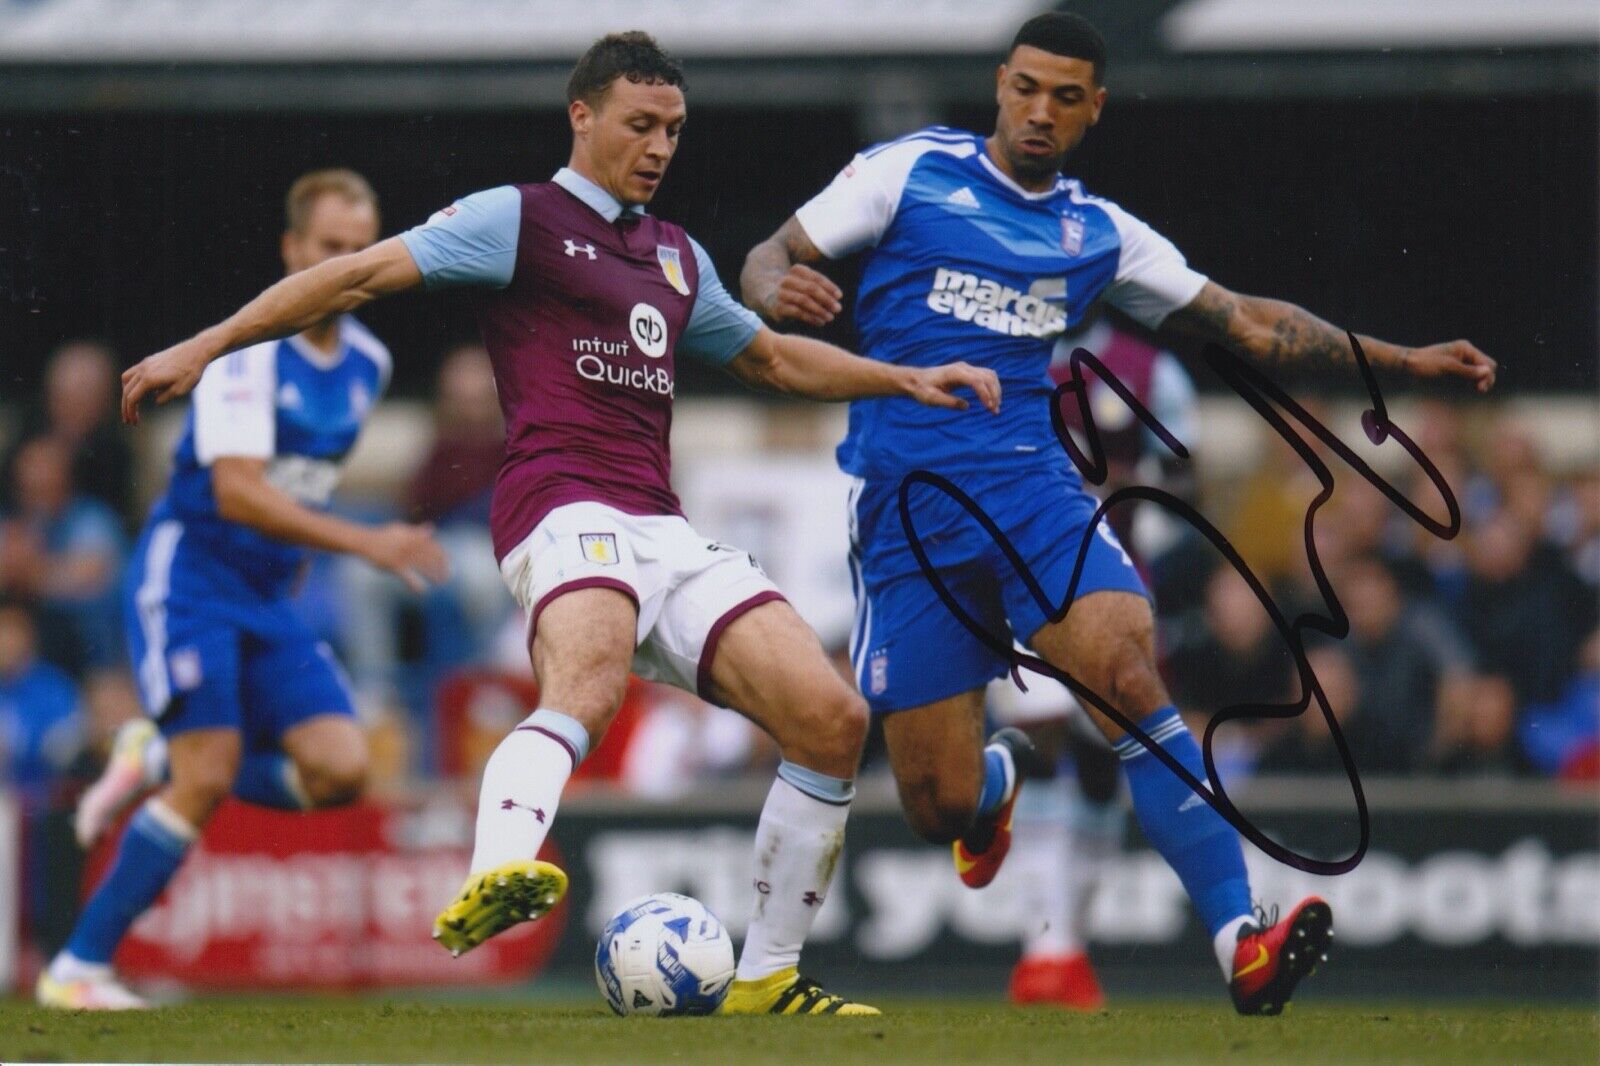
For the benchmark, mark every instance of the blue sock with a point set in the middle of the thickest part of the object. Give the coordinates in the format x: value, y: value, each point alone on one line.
x: 1197, y: 842
x: 994, y: 791
x: 269, y: 779
x: 150, y: 853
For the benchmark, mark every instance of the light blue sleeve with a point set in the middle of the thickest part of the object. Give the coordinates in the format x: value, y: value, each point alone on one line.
x: 471, y: 242
x: 1172, y: 400
x: 719, y: 326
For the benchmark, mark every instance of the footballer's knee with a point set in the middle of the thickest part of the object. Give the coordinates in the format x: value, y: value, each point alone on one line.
x: 828, y: 733
x: 202, y: 767
x: 1133, y: 683
x: 337, y: 777
x: 937, y: 810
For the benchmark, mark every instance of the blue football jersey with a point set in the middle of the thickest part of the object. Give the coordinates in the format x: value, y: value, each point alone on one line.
x: 966, y: 265
x: 283, y: 401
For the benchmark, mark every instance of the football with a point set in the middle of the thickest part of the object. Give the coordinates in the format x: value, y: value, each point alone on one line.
x: 665, y: 954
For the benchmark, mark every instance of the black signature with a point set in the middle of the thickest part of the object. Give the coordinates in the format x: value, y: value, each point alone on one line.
x: 1267, y: 399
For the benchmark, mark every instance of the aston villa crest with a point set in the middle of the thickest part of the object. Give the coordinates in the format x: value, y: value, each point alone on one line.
x: 672, y: 267
x: 1071, y: 235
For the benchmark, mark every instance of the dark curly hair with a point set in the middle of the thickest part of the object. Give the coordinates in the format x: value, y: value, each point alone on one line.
x: 633, y: 55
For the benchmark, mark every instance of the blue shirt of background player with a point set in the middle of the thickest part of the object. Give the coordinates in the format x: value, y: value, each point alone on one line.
x: 967, y: 265
x: 476, y: 245
x: 41, y: 730
x: 284, y: 402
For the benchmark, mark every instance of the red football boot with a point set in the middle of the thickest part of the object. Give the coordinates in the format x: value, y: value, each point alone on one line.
x: 1062, y: 980
x: 1273, y: 956
x: 978, y: 855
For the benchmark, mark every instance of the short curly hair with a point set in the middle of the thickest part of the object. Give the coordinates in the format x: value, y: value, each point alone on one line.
x: 633, y: 55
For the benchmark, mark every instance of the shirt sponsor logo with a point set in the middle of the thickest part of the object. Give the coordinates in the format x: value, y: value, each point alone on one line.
x: 574, y: 248
x: 306, y: 479
x: 993, y: 306
x: 648, y: 329
x: 672, y: 267
x: 600, y: 548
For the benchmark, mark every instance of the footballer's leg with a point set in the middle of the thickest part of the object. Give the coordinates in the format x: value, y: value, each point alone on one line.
x: 583, y: 644
x: 202, y: 764
x: 769, y: 665
x: 924, y: 674
x: 329, y: 756
x: 1107, y: 641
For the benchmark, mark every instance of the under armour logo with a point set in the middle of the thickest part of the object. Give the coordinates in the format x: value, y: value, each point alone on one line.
x: 511, y: 804
x: 573, y: 248
x: 810, y: 899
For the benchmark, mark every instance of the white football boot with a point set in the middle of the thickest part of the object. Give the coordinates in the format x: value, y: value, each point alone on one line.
x: 84, y: 987
x: 138, y: 763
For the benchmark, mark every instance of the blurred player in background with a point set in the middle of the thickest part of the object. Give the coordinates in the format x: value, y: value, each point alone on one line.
x: 584, y: 302
x: 980, y: 249
x: 242, y: 697
x: 1067, y: 828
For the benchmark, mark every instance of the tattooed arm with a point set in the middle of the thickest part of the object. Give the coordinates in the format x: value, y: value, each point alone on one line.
x: 1277, y: 333
x: 777, y: 285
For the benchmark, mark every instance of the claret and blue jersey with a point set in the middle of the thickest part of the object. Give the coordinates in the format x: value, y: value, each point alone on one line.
x: 207, y: 610
x: 963, y: 264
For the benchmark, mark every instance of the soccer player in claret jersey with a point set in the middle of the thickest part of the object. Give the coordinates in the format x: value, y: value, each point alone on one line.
x: 585, y: 302
x: 242, y: 697
x: 979, y: 249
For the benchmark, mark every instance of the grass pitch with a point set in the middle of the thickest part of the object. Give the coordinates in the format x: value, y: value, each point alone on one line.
x: 921, y: 1031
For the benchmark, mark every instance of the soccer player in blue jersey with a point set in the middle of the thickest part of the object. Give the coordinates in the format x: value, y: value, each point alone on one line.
x: 978, y: 249
x: 242, y: 697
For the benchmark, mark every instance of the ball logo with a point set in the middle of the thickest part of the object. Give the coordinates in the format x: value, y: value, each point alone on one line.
x: 648, y: 330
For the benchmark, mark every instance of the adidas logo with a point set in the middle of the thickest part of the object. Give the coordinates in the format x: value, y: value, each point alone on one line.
x: 289, y: 396
x: 962, y: 197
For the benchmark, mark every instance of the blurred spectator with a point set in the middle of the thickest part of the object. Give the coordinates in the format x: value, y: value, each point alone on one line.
x: 41, y: 727
x: 1304, y: 745
x: 456, y: 622
x: 1563, y: 737
x: 80, y: 410
x: 1405, y: 658
x: 1235, y: 657
x: 41, y: 738
x: 1522, y: 608
x: 1473, y: 734
x: 63, y: 551
x: 1575, y: 527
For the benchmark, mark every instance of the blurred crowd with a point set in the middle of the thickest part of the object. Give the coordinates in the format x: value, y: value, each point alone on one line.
x: 1479, y: 654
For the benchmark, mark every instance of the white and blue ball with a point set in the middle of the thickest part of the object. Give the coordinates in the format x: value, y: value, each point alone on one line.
x: 662, y: 955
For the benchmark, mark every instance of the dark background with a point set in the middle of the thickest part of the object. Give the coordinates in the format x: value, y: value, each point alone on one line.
x: 1415, y: 219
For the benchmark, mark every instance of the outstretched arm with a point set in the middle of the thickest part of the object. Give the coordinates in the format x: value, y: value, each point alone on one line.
x: 1277, y: 333
x: 244, y: 495
x: 801, y: 366
x: 296, y: 303
x: 777, y: 285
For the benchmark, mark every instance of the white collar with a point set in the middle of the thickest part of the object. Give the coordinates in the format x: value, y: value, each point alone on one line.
x: 603, y: 203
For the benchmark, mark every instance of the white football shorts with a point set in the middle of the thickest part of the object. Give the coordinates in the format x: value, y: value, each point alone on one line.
x: 687, y: 589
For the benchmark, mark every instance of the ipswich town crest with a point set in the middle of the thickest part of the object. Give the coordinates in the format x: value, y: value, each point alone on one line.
x: 1071, y: 235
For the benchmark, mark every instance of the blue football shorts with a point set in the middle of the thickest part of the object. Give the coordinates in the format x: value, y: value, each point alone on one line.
x: 222, y: 661
x: 908, y: 648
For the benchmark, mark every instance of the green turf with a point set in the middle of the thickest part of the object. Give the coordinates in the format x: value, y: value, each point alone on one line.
x: 926, y: 1032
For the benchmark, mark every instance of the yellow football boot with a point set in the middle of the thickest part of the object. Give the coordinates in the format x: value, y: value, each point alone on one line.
x: 786, y: 992
x: 493, y: 901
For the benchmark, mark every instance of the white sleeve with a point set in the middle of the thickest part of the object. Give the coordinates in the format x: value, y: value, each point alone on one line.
x: 235, y: 406
x: 1152, y: 279
x: 855, y: 210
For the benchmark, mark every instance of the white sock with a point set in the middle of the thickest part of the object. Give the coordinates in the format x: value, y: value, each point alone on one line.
x: 1226, y: 943
x: 522, y: 784
x: 1094, y: 838
x: 66, y: 967
x: 798, y: 843
x: 1042, y: 861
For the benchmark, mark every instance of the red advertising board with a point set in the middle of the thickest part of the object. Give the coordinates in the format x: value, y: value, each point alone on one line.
x: 342, y: 899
